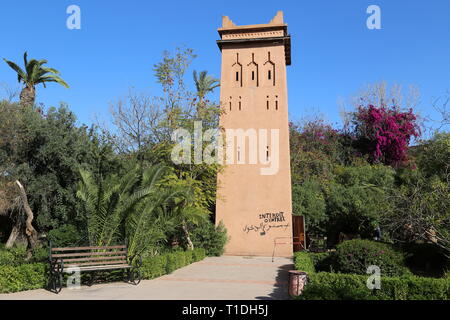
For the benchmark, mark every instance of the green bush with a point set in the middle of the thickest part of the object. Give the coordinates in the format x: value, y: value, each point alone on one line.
x: 338, y: 286
x: 303, y: 262
x: 65, y: 236
x: 22, y: 277
x: 210, y: 237
x: 323, y: 261
x: 17, y: 255
x: 308, y: 200
x: 175, y: 261
x: 354, y: 256
x: 356, y: 197
x: 198, y: 254
x: 157, y: 266
x: 154, y: 267
x: 10, y: 257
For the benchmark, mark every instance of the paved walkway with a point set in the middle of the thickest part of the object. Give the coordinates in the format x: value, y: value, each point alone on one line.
x: 215, y: 278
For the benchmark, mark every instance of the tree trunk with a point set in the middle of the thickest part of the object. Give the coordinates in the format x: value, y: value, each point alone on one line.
x: 12, y: 237
x: 190, y: 245
x: 17, y: 235
x: 32, y: 235
x: 27, y: 96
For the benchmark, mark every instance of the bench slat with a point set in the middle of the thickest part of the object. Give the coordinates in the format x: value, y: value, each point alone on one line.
x: 88, y: 254
x: 87, y: 259
x: 115, y: 262
x: 88, y: 248
x: 108, y: 267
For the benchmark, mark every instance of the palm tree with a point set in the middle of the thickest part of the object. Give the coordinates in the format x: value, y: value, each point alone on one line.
x: 34, y: 74
x: 204, y: 84
x: 136, y: 207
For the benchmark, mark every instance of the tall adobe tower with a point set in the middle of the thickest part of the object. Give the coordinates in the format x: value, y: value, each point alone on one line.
x: 256, y: 207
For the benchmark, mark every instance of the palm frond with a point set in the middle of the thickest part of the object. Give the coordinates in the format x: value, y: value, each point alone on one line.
x: 20, y: 73
x: 52, y: 78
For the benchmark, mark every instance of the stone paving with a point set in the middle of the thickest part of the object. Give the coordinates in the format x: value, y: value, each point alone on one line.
x: 214, y: 278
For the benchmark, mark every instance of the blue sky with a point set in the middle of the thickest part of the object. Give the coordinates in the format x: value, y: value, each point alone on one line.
x: 334, y: 54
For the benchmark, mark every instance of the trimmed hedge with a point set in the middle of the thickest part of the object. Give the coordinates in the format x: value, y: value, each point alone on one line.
x: 23, y: 277
x: 153, y: 267
x: 35, y: 275
x: 340, y: 286
x: 303, y: 262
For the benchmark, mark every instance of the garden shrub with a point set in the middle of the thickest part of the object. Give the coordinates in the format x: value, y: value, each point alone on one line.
x: 64, y: 236
x: 303, y: 262
x: 198, y: 254
x: 14, y: 256
x: 338, y: 286
x: 17, y: 255
x: 323, y: 261
x: 22, y: 277
x: 188, y: 257
x: 175, y: 260
x: 354, y: 256
x: 154, y: 267
x: 210, y: 237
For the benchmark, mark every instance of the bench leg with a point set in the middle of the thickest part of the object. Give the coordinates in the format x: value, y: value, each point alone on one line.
x: 134, y: 276
x: 55, y: 282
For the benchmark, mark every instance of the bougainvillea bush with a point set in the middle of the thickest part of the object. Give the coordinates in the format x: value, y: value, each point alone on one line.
x: 385, y: 133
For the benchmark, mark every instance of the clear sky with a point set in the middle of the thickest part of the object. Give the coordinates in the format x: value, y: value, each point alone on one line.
x: 333, y: 52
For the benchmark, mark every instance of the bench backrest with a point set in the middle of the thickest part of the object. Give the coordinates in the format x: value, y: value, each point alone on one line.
x: 90, y: 256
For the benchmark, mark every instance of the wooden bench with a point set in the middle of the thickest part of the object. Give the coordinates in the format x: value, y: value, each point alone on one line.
x: 83, y: 259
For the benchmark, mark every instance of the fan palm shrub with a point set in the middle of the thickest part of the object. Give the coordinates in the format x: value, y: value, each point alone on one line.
x: 136, y: 207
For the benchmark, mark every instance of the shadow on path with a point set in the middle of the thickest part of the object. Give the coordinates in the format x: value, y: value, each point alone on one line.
x: 281, y: 287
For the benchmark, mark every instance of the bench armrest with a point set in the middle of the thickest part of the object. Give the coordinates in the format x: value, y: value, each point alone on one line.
x: 137, y: 260
x: 56, y: 265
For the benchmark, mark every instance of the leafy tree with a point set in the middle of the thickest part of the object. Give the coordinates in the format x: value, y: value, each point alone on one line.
x: 432, y: 156
x: 35, y: 73
x: 309, y: 201
x: 357, y: 198
x: 316, y: 148
x: 43, y: 150
x: 420, y: 210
